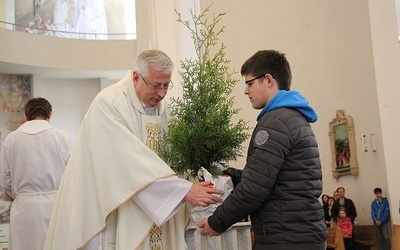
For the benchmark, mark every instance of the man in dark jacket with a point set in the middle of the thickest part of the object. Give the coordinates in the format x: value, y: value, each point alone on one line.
x: 345, y: 204
x: 282, y: 180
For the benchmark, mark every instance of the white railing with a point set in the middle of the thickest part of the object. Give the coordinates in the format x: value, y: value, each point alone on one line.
x: 64, y: 33
x: 4, y: 229
x: 238, y: 237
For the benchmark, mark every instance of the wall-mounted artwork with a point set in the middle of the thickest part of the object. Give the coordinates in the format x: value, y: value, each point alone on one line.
x: 344, y: 155
x: 15, y: 91
x: 5, y: 205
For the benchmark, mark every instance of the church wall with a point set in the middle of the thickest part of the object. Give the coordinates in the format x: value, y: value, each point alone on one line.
x: 386, y: 55
x: 70, y: 100
x: 2, y: 12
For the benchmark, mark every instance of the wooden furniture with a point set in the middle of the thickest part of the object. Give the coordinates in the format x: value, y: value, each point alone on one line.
x: 335, y: 239
x: 364, y: 237
x: 396, y: 237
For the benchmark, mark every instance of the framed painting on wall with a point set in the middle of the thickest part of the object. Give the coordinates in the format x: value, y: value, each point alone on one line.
x: 343, y: 147
x: 15, y: 91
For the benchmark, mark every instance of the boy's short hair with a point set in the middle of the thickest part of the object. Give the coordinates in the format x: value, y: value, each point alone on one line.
x: 377, y: 190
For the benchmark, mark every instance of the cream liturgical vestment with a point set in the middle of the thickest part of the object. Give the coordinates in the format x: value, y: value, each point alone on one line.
x: 33, y: 159
x: 115, y: 187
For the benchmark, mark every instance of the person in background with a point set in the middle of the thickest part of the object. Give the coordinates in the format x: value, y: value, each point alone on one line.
x: 117, y: 193
x: 335, y: 195
x: 282, y: 181
x: 343, y: 203
x: 327, y: 212
x: 325, y: 200
x: 33, y: 159
x: 380, y: 214
x: 346, y: 226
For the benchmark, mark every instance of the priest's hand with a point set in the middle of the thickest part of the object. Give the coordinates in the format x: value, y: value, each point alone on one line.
x: 201, y: 195
x: 206, y: 229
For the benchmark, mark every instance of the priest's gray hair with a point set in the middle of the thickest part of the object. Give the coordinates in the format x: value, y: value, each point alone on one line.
x: 156, y: 58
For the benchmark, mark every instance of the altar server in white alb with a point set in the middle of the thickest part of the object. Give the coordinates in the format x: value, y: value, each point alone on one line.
x: 116, y: 192
x: 33, y: 159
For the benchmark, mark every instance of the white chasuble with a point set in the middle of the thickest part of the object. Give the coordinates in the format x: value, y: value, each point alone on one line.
x: 115, y: 187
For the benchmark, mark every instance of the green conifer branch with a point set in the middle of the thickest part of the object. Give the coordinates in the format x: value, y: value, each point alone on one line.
x: 201, y: 132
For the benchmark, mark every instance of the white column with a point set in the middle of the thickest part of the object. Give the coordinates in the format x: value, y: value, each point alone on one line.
x: 159, y: 29
x: 385, y: 47
x: 36, y: 85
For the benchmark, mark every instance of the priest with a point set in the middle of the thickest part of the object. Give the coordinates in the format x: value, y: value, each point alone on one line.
x: 116, y: 192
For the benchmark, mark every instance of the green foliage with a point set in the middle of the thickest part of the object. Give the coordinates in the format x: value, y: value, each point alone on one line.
x: 200, y: 131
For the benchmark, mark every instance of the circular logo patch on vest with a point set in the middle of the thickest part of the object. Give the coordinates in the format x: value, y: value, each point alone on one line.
x: 261, y: 137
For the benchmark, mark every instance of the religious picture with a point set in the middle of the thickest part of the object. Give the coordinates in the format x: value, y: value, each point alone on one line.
x: 15, y: 90
x: 5, y: 205
x: 342, y: 146
x: 344, y: 153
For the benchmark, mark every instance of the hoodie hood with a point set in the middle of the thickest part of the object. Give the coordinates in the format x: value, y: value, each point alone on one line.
x: 290, y: 99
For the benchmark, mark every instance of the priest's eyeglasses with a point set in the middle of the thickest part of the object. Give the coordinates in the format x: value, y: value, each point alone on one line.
x: 156, y: 87
x: 251, y: 81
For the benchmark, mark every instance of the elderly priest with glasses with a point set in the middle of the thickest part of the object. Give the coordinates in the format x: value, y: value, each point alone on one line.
x: 116, y: 192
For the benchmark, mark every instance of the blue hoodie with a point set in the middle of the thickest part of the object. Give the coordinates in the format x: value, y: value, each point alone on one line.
x: 380, y: 210
x: 290, y: 99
